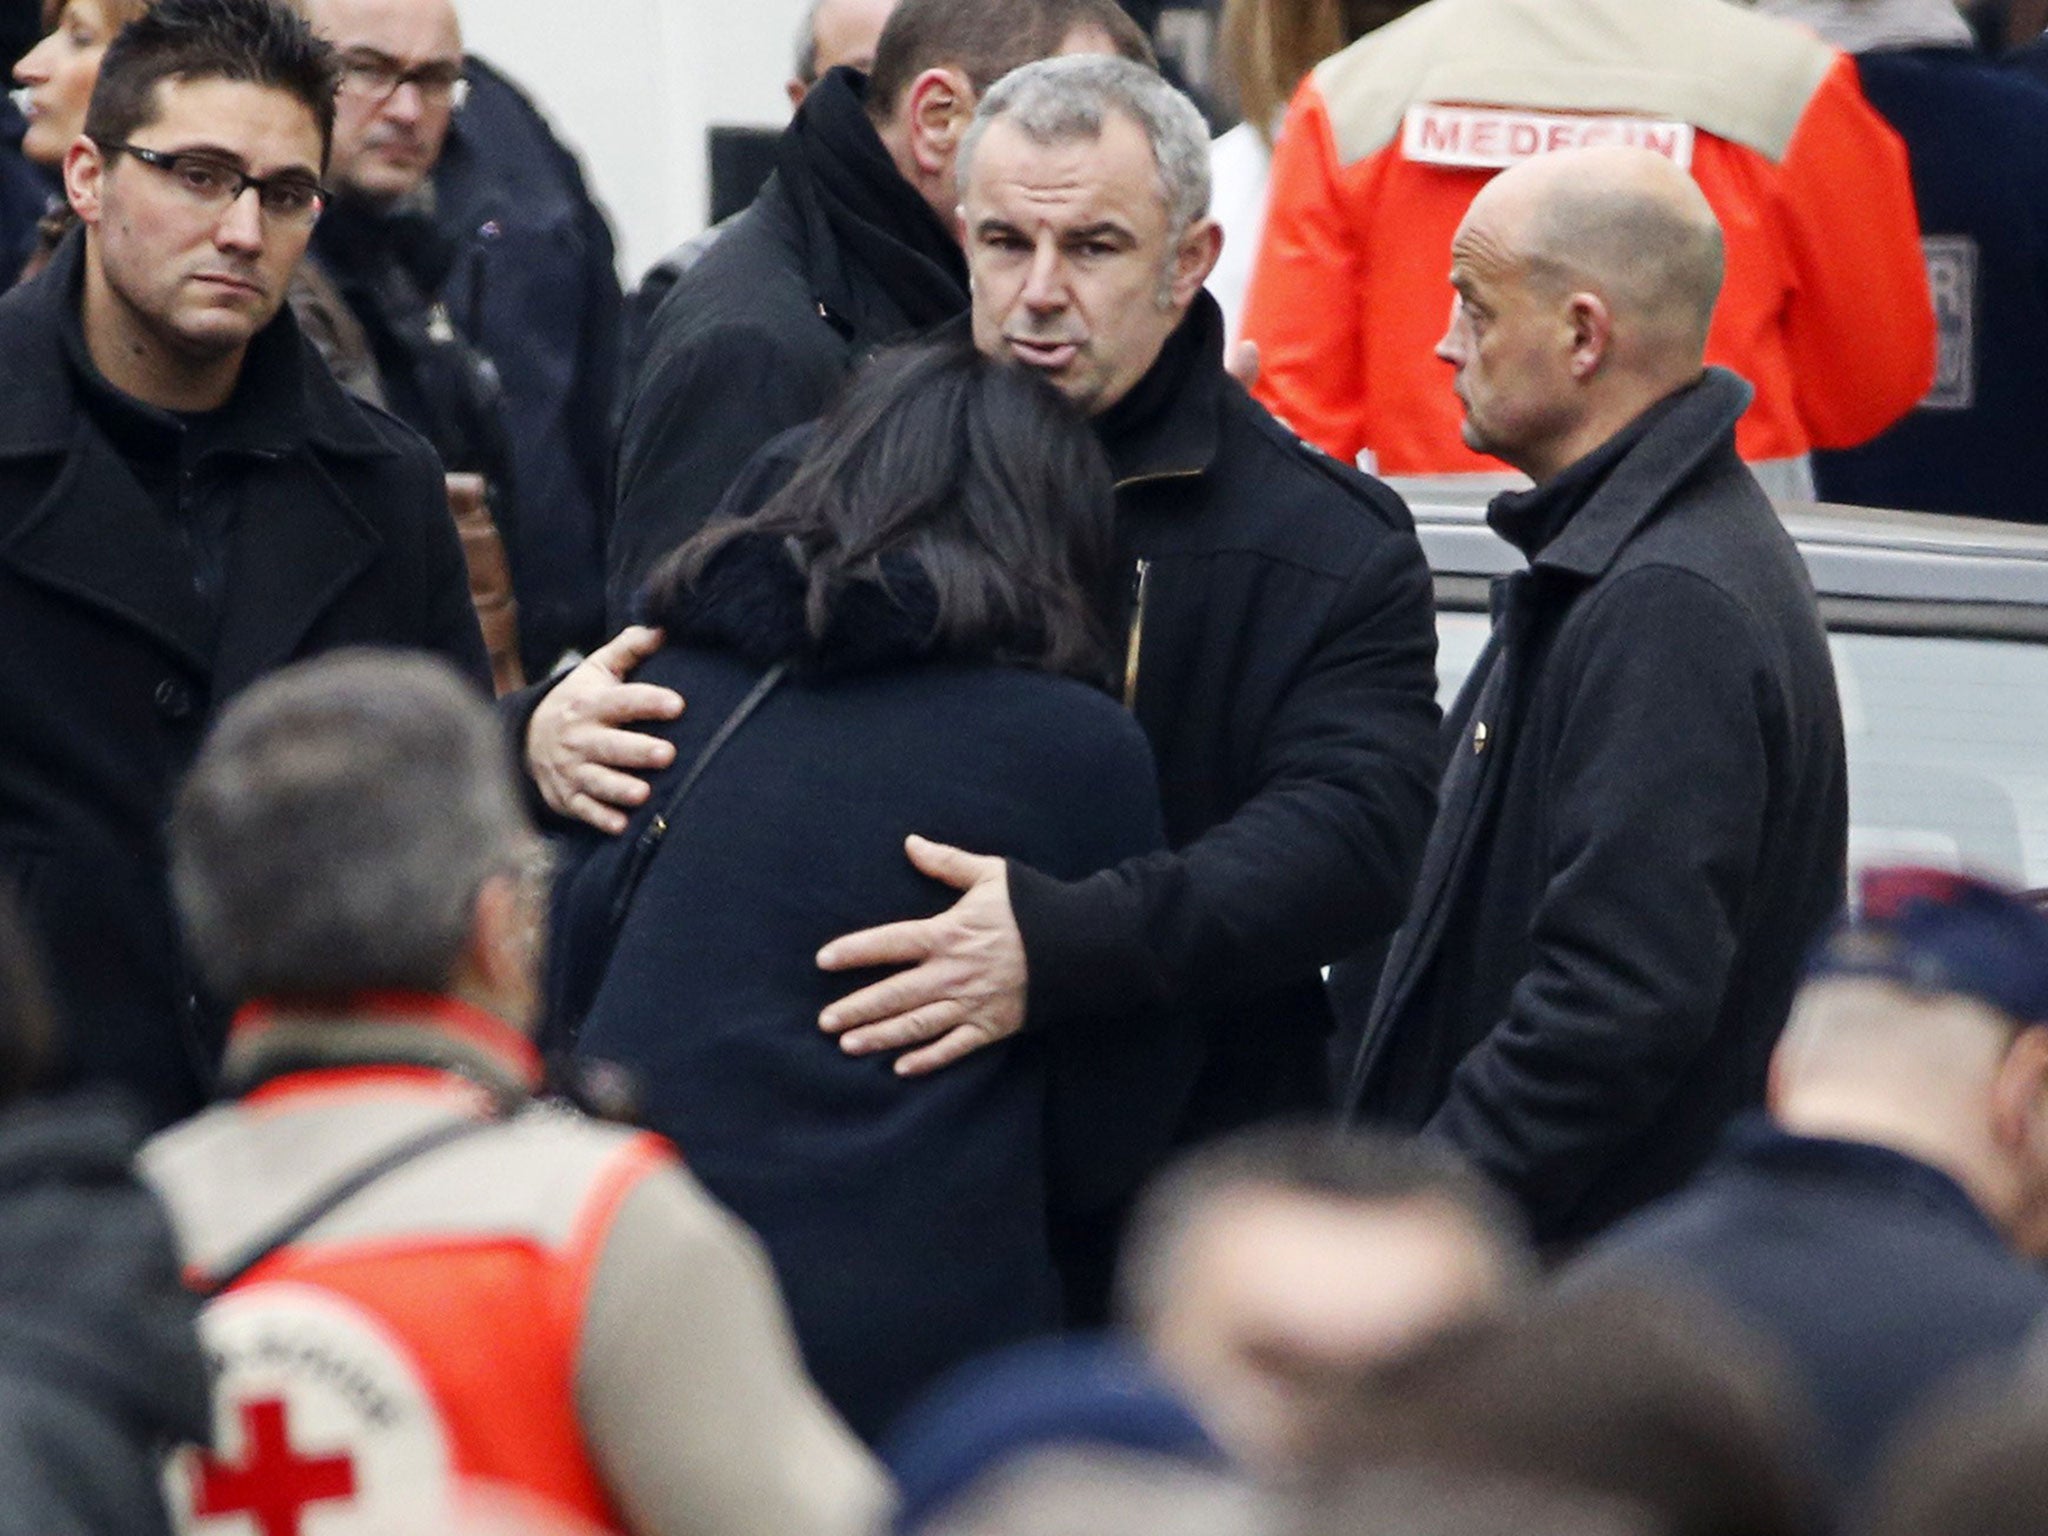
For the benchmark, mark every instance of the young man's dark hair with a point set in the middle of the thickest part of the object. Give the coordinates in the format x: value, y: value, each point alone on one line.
x: 258, y: 42
x: 985, y: 42
x: 957, y: 468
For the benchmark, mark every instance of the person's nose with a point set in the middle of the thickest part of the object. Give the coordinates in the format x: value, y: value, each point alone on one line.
x: 33, y: 67
x: 240, y: 226
x: 1044, y: 281
x: 1451, y: 349
x: 407, y: 103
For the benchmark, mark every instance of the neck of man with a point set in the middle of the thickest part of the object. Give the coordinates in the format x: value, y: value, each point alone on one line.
x: 139, y: 363
x: 1910, y: 1122
x: 936, y: 188
x: 1610, y: 404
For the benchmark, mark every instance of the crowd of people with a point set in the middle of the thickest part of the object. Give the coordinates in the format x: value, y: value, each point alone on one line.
x: 836, y: 899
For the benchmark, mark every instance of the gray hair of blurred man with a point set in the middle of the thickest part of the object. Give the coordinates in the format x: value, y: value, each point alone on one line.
x: 338, y: 825
x: 1056, y: 101
x: 1316, y: 1161
x: 803, y: 64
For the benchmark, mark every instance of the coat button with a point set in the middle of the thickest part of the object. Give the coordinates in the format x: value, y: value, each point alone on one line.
x: 173, y: 699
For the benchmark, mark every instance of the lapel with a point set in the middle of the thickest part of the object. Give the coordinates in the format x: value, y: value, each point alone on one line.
x: 1479, y: 733
x: 95, y: 537
x: 297, y: 546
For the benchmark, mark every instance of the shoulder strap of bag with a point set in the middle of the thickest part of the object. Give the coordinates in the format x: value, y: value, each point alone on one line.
x: 649, y: 841
x: 332, y: 1198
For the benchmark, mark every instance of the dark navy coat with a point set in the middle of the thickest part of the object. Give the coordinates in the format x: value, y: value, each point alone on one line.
x: 910, y: 1220
x: 1875, y: 1274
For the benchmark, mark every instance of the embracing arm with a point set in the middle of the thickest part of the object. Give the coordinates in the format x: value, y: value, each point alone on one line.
x: 1655, y: 809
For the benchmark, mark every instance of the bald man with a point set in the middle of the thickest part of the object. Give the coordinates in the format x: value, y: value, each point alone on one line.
x: 1644, y: 816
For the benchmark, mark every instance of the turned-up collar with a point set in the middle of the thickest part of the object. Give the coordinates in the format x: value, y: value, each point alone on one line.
x: 1678, y: 434
x: 1167, y: 427
x: 282, y: 399
x: 402, y: 1030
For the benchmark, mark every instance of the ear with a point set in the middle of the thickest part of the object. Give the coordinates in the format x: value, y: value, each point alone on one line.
x: 1194, y: 260
x: 936, y: 111
x: 2019, y: 1094
x: 85, y: 169
x: 796, y: 90
x: 1592, y: 332
x: 501, y: 961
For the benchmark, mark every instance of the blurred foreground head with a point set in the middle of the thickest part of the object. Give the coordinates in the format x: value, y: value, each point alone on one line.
x: 1974, y: 1465
x: 1923, y: 1026
x: 352, y: 824
x: 1658, y: 1407
x: 1273, y: 1274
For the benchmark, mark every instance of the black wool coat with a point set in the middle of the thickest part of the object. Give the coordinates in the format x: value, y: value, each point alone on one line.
x: 1644, y: 828
x: 339, y: 535
x: 836, y: 257
x: 1278, y: 647
x: 913, y: 1223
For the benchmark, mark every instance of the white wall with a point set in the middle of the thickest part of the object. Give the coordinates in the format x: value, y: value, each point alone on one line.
x: 631, y: 86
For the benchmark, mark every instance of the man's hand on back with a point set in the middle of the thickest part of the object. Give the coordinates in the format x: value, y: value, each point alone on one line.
x: 965, y: 985
x: 583, y: 759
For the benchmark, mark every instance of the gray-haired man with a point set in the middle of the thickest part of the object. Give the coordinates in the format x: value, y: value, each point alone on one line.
x: 421, y: 1280
x: 1279, y: 640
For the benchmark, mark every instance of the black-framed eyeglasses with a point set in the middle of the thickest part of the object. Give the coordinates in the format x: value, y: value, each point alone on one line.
x: 376, y: 78
x: 292, y: 197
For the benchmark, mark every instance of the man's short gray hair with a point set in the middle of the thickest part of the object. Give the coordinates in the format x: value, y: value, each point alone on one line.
x: 1055, y: 101
x: 337, y: 827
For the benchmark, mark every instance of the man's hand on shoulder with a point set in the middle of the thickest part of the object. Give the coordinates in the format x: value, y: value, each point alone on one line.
x: 583, y: 758
x: 966, y: 982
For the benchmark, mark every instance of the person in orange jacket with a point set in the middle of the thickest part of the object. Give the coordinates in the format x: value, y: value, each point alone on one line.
x: 1825, y: 310
x: 423, y: 1284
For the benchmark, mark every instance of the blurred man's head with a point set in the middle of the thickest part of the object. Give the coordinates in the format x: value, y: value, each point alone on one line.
x: 401, y: 81
x: 936, y: 58
x: 1084, y: 199
x: 1584, y: 282
x: 1923, y: 1026
x: 353, y: 825
x: 832, y: 33
x: 1662, y: 1403
x: 1272, y: 1273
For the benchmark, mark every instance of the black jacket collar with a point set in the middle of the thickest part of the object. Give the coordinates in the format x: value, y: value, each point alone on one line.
x: 879, y: 260
x: 1169, y: 425
x: 1667, y: 444
x: 284, y: 399
x: 1756, y: 1145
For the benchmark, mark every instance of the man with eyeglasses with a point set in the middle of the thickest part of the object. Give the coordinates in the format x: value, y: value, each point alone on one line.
x: 380, y: 255
x: 187, y: 501
x: 464, y: 241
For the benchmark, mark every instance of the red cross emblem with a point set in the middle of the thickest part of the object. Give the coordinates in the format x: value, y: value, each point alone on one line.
x: 274, y: 1484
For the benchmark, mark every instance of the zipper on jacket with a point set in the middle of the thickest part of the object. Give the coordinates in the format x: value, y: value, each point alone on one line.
x: 1134, y: 641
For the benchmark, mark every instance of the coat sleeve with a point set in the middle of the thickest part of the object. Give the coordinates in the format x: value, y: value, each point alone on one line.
x: 1302, y: 308
x: 702, y: 407
x: 1657, y: 792
x: 690, y: 1389
x: 1852, y: 232
x: 1317, y: 860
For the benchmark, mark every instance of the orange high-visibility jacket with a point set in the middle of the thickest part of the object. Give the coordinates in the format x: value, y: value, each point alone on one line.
x: 1825, y: 308
x: 546, y: 1306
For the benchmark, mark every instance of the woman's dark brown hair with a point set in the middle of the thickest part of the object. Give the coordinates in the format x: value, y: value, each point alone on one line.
x: 25, y: 1017
x: 973, y: 472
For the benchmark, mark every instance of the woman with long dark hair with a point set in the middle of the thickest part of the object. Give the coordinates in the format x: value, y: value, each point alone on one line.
x: 928, y: 584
